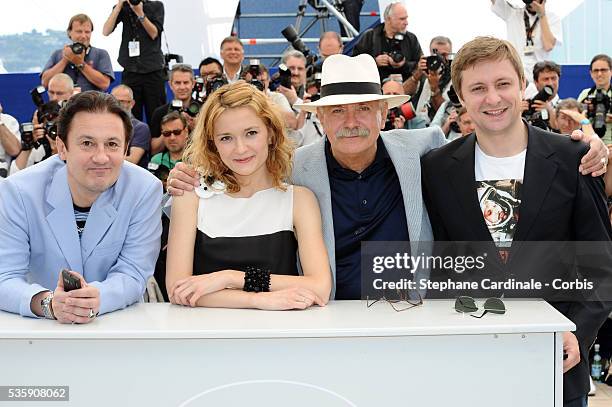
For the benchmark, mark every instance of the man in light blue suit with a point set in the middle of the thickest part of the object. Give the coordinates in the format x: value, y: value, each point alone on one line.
x: 85, y: 210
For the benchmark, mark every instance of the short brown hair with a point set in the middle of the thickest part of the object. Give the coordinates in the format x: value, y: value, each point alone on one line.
x: 231, y: 38
x: 484, y: 49
x: 92, y: 101
x: 544, y: 66
x: 568, y: 104
x: 601, y: 57
x: 202, y: 153
x: 80, y: 18
x: 172, y: 116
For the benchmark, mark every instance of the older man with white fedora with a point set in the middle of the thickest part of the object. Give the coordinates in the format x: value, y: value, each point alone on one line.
x: 367, y: 182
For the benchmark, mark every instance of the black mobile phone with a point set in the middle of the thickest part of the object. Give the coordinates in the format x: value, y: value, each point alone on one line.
x: 70, y: 281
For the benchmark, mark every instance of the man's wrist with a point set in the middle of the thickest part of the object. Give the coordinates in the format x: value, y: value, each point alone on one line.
x: 141, y: 18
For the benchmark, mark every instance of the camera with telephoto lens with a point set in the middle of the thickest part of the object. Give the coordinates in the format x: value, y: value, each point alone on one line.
x: 597, y: 108
x: 293, y: 37
x: 533, y: 116
x: 281, y: 78
x: 396, y: 48
x: 77, y: 48
x: 255, y: 72
x: 46, y: 114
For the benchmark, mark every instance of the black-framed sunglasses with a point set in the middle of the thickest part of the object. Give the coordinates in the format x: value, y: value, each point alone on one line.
x: 168, y: 133
x: 466, y: 305
x: 403, y: 301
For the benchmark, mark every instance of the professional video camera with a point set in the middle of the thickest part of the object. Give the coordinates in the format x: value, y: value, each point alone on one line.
x: 533, y: 116
x: 292, y: 36
x: 282, y: 78
x: 255, y: 72
x: 404, y: 110
x: 396, y: 48
x: 597, y: 108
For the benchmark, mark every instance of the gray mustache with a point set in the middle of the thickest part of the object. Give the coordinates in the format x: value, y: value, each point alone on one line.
x: 352, y: 132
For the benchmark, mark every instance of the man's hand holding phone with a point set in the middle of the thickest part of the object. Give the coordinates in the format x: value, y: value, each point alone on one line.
x: 74, y: 301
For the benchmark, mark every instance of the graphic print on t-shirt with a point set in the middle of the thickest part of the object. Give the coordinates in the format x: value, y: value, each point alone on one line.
x: 499, y: 202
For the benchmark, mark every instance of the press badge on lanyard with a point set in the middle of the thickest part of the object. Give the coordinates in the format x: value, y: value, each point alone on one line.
x: 134, y: 48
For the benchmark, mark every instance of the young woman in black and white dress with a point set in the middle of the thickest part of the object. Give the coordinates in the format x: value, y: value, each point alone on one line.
x: 233, y: 241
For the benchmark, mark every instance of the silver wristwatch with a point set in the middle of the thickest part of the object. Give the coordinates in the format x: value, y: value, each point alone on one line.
x: 47, y: 308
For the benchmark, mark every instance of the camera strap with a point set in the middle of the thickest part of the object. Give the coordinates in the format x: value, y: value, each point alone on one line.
x: 529, y: 28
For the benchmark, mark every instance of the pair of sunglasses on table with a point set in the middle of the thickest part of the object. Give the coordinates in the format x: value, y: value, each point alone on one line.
x: 398, y: 299
x: 466, y: 305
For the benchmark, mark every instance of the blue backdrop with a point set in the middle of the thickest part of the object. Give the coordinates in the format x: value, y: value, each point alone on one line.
x: 16, y: 101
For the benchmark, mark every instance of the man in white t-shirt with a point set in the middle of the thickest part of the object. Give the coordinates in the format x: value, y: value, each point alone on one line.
x: 533, y: 30
x: 10, y: 143
x: 510, y: 181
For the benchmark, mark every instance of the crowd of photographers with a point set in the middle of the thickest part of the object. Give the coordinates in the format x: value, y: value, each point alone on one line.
x: 158, y: 142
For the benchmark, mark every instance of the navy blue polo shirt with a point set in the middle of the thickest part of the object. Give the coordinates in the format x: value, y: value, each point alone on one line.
x: 366, y: 206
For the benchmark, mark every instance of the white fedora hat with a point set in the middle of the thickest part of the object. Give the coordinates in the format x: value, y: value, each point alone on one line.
x: 347, y: 80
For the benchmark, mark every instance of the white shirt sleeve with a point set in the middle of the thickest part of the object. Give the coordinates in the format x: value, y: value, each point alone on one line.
x: 502, y: 9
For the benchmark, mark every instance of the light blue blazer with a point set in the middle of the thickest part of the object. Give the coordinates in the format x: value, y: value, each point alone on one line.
x: 38, y: 236
x: 405, y: 148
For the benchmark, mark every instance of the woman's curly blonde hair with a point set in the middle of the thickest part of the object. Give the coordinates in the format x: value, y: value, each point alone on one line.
x: 202, y: 153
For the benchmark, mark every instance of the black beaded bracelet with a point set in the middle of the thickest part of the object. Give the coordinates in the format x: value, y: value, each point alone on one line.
x: 256, y: 280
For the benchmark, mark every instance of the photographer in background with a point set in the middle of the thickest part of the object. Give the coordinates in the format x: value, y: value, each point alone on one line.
x: 532, y: 30
x: 174, y: 133
x: 330, y: 43
x: 140, y: 52
x: 395, y: 50
x: 181, y: 83
x: 232, y: 54
x: 262, y: 74
x: 296, y: 62
x: 38, y: 137
x: 541, y: 95
x: 140, y: 141
x: 401, y: 117
x: 597, y: 99
x: 89, y: 67
x: 210, y: 67
x: 10, y: 144
x: 429, y: 83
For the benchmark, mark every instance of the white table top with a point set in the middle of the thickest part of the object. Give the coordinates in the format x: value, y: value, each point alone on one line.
x: 337, y: 319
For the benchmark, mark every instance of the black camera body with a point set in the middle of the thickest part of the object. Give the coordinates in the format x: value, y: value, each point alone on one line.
x: 597, y: 109
x: 282, y: 77
x: 77, y: 48
x: 255, y: 72
x: 135, y: 2
x: 454, y: 103
x: 435, y: 62
x: 533, y: 116
x: 214, y: 83
x: 177, y: 106
x: 27, y: 136
x: 396, y: 48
